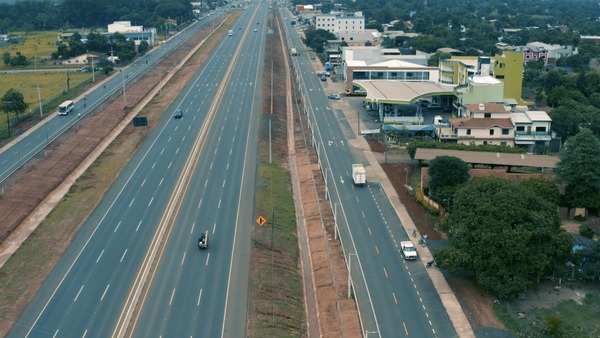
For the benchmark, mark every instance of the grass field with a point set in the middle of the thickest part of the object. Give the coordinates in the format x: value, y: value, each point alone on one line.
x: 278, y: 294
x: 37, y: 45
x: 564, y: 319
x: 52, y: 85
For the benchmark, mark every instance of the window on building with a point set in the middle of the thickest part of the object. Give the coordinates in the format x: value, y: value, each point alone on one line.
x: 468, y: 131
x: 505, y: 131
x: 491, y: 132
x: 540, y: 129
x: 361, y: 75
x: 503, y: 144
x: 487, y: 115
x: 520, y: 128
x: 377, y: 76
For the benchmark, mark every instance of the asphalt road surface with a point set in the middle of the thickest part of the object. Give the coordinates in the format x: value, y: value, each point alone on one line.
x: 88, y: 292
x: 395, y: 297
x: 24, y: 149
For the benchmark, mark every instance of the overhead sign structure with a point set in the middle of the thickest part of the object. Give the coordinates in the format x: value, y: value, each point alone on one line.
x: 261, y: 220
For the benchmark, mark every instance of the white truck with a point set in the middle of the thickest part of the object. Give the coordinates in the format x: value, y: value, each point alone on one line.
x: 409, y: 252
x: 359, y: 176
x: 230, y: 32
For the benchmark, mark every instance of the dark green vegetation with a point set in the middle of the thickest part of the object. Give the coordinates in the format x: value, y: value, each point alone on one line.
x: 315, y: 39
x: 51, y: 15
x: 117, y: 43
x: 483, y: 21
x: 505, y: 235
x: 13, y: 102
x: 575, y: 98
x: 446, y: 175
x: 579, y: 170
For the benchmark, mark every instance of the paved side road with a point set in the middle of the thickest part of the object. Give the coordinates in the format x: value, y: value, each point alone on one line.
x: 451, y: 304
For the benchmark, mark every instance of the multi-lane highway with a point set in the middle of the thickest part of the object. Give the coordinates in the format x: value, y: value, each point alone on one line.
x: 395, y: 298
x: 13, y: 157
x: 193, y: 174
x: 134, y: 268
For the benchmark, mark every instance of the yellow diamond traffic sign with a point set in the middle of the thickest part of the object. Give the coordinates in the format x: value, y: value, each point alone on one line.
x: 261, y: 220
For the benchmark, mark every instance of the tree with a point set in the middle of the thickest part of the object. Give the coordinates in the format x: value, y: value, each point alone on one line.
x: 13, y: 102
x: 542, y: 188
x: 6, y: 58
x: 506, y: 236
x: 578, y: 170
x: 316, y: 38
x: 446, y: 174
x: 143, y: 47
x: 591, y: 267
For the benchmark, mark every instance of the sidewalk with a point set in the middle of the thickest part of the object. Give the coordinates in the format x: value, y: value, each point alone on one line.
x: 451, y: 304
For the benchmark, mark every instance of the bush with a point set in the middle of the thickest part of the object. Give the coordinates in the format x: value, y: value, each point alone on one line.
x: 421, y: 199
x: 552, y: 324
x: 585, y: 231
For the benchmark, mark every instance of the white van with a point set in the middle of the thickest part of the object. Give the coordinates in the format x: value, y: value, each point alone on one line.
x: 230, y: 32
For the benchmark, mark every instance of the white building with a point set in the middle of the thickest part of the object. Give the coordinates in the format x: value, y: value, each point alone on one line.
x: 335, y: 23
x: 135, y: 33
x: 124, y: 27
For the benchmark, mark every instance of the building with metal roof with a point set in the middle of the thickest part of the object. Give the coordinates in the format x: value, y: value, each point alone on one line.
x: 490, y: 158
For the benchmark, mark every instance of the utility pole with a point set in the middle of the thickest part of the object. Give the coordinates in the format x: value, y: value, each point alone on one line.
x: 40, y: 101
x: 68, y: 84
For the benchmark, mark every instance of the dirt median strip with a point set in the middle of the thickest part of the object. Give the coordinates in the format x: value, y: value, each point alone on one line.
x: 43, y: 250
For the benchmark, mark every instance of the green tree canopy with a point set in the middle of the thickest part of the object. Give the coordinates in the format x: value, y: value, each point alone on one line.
x: 506, y: 236
x: 316, y: 38
x: 446, y: 173
x: 13, y: 102
x: 579, y: 170
x: 542, y: 188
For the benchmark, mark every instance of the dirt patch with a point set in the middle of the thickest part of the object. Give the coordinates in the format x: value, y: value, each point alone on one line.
x: 337, y: 315
x: 29, y: 267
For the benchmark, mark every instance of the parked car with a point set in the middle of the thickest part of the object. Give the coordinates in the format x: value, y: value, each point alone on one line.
x: 334, y: 96
x: 323, y: 78
x: 178, y: 114
x: 323, y: 73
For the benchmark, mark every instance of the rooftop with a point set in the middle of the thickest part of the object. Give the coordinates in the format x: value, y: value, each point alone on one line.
x: 401, y: 92
x: 482, y: 123
x: 479, y: 157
